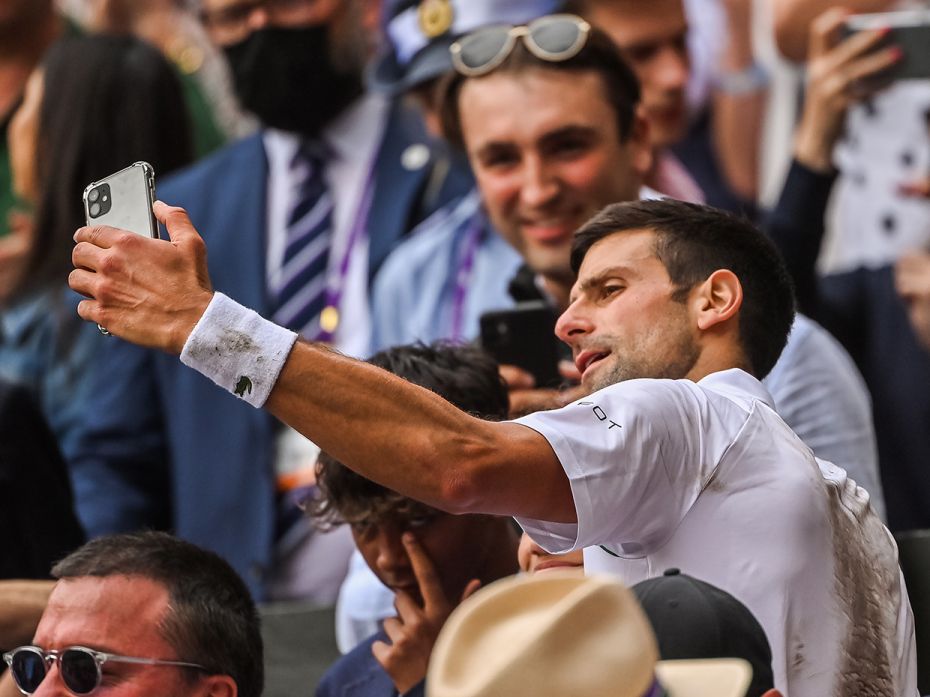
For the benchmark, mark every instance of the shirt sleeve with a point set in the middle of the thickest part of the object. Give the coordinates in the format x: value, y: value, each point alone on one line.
x: 637, y: 454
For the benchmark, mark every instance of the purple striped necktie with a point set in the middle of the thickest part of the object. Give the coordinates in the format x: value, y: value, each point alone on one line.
x: 300, y: 292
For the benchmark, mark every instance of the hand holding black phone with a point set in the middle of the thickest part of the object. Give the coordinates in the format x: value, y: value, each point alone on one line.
x: 524, y: 336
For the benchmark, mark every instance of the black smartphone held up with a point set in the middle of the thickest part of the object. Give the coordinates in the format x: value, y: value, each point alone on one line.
x: 124, y: 200
x: 524, y: 336
x: 910, y: 31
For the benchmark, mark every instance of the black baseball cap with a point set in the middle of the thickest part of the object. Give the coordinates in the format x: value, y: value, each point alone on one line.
x: 694, y: 619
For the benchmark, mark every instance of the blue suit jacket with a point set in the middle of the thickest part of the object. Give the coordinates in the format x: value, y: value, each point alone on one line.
x: 164, y: 447
x: 358, y: 674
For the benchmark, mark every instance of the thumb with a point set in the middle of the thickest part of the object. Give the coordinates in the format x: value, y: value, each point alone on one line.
x: 176, y: 220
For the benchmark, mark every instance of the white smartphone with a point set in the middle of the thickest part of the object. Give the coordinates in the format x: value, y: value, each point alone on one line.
x: 124, y: 200
x: 909, y: 30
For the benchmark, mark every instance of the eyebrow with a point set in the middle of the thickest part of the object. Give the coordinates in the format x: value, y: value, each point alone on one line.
x: 546, y: 140
x: 570, y: 131
x: 619, y: 270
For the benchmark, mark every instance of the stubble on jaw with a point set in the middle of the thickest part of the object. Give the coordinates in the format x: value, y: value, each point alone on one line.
x: 641, y: 360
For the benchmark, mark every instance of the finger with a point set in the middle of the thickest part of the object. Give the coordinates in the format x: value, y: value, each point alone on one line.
x: 855, y: 46
x: 919, y: 188
x: 873, y: 64
x: 425, y: 572
x: 382, y: 653
x: 825, y: 31
x: 408, y: 609
x: 90, y: 310
x: 394, y: 628
x: 516, y: 378
x: 569, y: 371
x: 472, y: 586
x: 87, y: 256
x: 176, y: 221
x: 102, y: 236
x: 83, y: 282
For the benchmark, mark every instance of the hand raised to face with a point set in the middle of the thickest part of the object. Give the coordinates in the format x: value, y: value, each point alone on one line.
x: 147, y: 291
x: 413, y: 632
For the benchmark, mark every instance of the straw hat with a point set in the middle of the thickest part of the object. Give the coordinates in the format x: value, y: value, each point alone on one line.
x: 565, y: 636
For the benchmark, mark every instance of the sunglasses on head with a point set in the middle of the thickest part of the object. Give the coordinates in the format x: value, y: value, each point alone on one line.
x: 552, y: 38
x: 80, y: 667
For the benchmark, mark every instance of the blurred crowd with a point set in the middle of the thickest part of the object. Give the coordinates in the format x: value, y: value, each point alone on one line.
x: 399, y: 180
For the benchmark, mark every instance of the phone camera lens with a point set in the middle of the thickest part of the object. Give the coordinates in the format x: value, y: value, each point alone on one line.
x: 94, y: 210
x: 93, y: 195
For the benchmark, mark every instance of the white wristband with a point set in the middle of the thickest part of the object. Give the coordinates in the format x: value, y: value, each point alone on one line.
x: 238, y: 349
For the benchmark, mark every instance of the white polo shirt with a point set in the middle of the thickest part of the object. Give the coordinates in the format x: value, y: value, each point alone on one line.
x: 706, y: 477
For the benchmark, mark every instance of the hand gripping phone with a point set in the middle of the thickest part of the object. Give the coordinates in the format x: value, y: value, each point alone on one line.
x: 124, y: 200
x: 524, y: 336
x: 910, y: 31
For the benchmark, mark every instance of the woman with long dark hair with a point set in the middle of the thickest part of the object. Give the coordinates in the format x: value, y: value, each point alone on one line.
x: 96, y: 104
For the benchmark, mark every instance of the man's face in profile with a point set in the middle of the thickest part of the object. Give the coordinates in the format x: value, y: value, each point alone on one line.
x: 116, y: 614
x: 546, y: 151
x: 624, y: 321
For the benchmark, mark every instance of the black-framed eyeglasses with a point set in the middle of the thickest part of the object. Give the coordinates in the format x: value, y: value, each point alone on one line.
x: 79, y: 666
x: 552, y: 38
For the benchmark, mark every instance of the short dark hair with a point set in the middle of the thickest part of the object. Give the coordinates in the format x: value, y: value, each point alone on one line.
x: 212, y: 619
x: 466, y: 376
x: 693, y: 241
x: 108, y: 101
x: 599, y: 55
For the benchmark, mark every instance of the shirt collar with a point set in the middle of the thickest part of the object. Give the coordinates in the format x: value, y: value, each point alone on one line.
x: 738, y: 383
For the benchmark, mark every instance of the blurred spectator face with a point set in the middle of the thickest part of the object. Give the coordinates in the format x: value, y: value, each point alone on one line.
x: 457, y: 545
x: 231, y: 21
x: 652, y: 38
x: 546, y: 152
x: 296, y: 64
x: 120, y: 615
x: 23, y: 135
x: 534, y: 559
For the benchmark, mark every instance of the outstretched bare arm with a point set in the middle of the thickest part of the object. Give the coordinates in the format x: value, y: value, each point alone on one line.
x: 153, y: 293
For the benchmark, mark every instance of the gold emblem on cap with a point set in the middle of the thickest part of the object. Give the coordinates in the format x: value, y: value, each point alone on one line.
x: 329, y: 319
x: 435, y: 17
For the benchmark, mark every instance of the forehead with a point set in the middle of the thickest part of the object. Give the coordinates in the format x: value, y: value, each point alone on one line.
x: 316, y: 12
x: 526, y: 105
x: 631, y: 22
x: 118, y: 613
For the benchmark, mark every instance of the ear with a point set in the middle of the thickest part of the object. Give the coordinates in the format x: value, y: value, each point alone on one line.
x: 717, y: 300
x: 217, y: 686
x: 640, y: 147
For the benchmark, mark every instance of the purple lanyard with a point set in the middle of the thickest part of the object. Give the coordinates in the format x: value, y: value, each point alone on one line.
x: 330, y: 317
x: 473, y: 235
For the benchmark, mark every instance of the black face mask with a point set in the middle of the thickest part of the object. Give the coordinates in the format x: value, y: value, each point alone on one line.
x: 286, y: 77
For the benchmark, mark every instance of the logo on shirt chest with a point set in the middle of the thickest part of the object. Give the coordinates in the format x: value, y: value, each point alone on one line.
x: 600, y: 414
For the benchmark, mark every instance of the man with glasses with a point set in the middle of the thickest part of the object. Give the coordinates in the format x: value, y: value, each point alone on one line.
x: 299, y: 217
x: 140, y: 615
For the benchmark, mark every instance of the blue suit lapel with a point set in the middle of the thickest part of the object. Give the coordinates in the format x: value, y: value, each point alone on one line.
x: 394, y: 207
x: 237, y: 238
